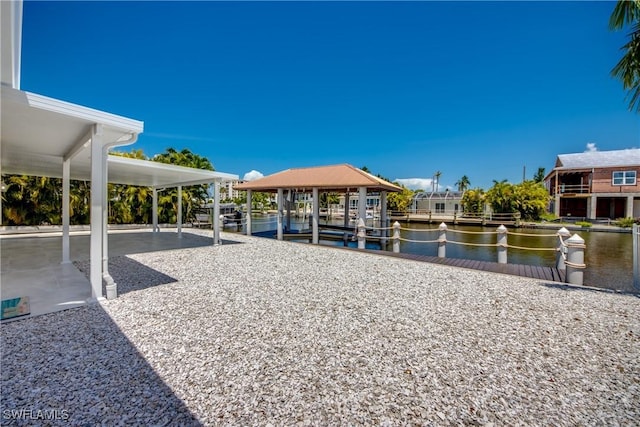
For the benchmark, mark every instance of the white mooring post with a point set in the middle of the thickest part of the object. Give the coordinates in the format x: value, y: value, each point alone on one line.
x: 563, y: 234
x: 396, y: 237
x: 636, y: 255
x: 442, y: 241
x: 502, y: 244
x: 362, y: 235
x: 575, y: 260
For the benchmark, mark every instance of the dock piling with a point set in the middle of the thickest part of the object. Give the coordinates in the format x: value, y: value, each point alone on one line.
x: 502, y: 244
x: 442, y: 241
x: 362, y: 235
x: 396, y: 237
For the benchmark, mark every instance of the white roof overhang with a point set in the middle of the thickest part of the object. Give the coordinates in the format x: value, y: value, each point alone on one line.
x: 38, y: 133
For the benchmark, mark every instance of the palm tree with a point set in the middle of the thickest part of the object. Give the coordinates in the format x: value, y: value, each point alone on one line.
x: 539, y: 176
x: 463, y: 183
x: 627, y: 12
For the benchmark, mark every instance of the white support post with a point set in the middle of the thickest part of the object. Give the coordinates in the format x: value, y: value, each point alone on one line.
x: 636, y: 257
x: 216, y: 213
x: 279, y: 219
x: 289, y: 202
x: 362, y: 234
x: 111, y: 286
x: 179, y: 213
x: 628, y: 212
x: 248, y: 218
x: 154, y: 210
x: 362, y: 203
x: 575, y: 260
x: 396, y: 237
x: 561, y: 251
x: 66, y: 191
x: 97, y: 200
x: 383, y: 220
x: 315, y: 234
x: 593, y: 203
x: 502, y: 244
x: 442, y: 241
x: 345, y: 236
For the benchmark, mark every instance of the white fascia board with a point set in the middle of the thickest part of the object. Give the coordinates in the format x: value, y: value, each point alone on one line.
x: 173, y: 174
x: 73, y: 110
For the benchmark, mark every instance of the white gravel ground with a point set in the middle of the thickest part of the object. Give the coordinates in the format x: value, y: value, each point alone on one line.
x: 274, y: 333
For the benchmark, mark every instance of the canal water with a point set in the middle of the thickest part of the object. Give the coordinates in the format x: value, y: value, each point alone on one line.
x: 608, y: 256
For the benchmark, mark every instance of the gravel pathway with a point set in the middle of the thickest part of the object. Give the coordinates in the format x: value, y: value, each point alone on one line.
x: 275, y: 333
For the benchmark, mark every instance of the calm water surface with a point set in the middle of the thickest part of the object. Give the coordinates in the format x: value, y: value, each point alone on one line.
x: 608, y: 255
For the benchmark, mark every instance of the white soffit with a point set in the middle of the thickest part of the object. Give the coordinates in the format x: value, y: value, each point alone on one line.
x: 37, y: 132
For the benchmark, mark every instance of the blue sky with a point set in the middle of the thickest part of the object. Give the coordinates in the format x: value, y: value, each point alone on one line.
x: 481, y: 89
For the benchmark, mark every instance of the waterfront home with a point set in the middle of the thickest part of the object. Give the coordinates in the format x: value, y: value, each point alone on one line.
x: 596, y: 184
x: 438, y: 202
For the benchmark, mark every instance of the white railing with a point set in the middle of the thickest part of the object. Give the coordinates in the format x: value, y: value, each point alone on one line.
x: 570, y: 250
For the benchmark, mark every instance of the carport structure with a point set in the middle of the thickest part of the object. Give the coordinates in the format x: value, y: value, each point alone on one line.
x: 342, y: 178
x: 42, y: 136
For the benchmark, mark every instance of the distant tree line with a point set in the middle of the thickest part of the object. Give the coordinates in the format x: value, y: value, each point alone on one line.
x: 529, y: 198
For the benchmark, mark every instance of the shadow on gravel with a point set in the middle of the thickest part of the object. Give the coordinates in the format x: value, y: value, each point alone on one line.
x: 76, y: 367
x: 130, y: 275
x: 567, y: 287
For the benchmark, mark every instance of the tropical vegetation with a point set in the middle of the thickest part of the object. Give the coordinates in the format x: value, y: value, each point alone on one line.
x: 529, y: 198
x: 627, y: 14
x: 473, y: 201
x: 31, y: 200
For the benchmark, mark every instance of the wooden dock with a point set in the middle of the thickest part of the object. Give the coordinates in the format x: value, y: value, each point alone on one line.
x: 522, y: 270
x: 531, y: 271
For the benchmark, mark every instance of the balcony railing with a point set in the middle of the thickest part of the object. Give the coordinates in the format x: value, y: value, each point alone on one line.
x: 573, y: 189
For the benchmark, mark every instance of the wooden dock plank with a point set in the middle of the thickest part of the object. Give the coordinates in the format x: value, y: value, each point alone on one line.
x: 531, y: 271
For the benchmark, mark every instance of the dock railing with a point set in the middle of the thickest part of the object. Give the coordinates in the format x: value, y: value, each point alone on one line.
x: 636, y: 257
x: 569, y: 249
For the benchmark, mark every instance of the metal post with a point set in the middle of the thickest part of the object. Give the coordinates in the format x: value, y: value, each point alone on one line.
x: 442, y: 241
x: 66, y: 178
x: 502, y: 244
x: 383, y: 220
x: 98, y: 198
x: 154, y: 210
x: 636, y: 254
x: 315, y: 233
x: 575, y: 260
x: 362, y: 234
x: 279, y: 217
x: 362, y: 202
x: 179, y: 213
x: 216, y: 213
x: 396, y: 237
x: 248, y: 218
x: 561, y: 248
x: 345, y: 236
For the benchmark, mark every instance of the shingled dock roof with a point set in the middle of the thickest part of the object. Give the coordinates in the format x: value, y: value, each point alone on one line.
x: 327, y: 178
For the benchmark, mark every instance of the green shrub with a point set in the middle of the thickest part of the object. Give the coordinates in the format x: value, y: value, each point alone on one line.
x: 548, y: 217
x: 624, y: 222
x: 584, y: 224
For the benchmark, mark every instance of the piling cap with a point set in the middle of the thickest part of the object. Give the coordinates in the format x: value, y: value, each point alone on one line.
x: 564, y: 232
x: 360, y: 222
x: 443, y: 226
x: 502, y: 229
x: 575, y: 240
x: 396, y: 224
